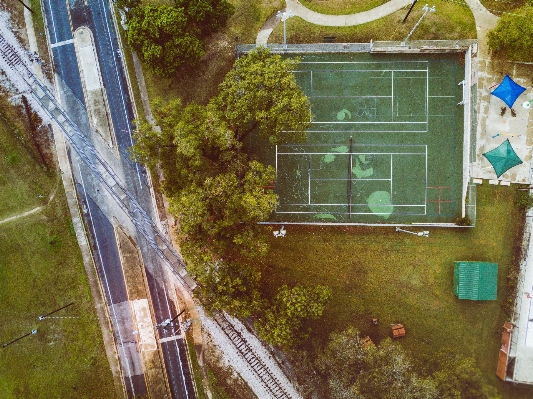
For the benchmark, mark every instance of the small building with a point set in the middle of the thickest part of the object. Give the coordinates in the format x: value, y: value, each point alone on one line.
x: 476, y: 281
x: 398, y: 330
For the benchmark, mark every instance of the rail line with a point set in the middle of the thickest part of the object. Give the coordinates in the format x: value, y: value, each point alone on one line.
x: 260, y: 369
x: 12, y: 58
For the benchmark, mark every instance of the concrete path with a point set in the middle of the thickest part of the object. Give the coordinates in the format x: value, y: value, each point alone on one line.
x: 297, y: 9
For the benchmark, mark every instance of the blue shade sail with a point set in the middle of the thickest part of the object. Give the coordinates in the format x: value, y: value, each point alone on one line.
x: 508, y: 91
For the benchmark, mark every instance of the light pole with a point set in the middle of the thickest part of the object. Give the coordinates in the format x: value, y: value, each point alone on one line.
x: 426, y: 9
x: 284, y: 17
x: 424, y: 233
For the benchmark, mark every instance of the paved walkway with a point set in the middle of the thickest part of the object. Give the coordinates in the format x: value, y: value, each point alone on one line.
x: 294, y: 7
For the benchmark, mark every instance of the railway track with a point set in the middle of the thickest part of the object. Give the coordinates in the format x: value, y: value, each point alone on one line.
x: 262, y: 371
x: 14, y: 62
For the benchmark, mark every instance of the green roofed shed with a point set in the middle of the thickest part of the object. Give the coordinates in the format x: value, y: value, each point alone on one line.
x: 477, y: 281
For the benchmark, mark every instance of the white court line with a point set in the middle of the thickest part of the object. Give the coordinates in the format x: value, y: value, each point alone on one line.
x: 427, y: 96
x: 362, y: 123
x: 370, y: 131
x: 392, y: 94
x: 311, y: 84
x: 345, y: 153
x: 69, y: 41
x: 426, y: 189
x: 53, y: 20
x: 441, y: 96
x: 352, y: 96
x: 341, y: 204
x: 309, y: 180
x: 391, y: 178
x: 276, y: 162
x: 357, y: 179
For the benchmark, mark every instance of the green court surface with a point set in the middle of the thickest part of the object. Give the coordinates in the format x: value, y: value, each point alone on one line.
x: 385, y: 145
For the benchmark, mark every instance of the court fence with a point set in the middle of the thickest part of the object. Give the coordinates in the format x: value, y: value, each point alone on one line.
x: 414, y: 46
x: 469, y: 100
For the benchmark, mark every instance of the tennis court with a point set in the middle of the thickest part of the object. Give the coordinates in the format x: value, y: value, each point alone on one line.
x: 385, y: 145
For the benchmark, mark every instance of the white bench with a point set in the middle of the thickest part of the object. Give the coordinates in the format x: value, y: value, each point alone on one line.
x: 477, y: 181
x: 505, y: 183
x: 494, y: 182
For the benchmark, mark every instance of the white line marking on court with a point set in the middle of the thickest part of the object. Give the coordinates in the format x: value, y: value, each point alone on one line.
x: 311, y: 84
x: 391, y: 178
x: 426, y: 190
x: 441, y: 96
x: 276, y: 164
x: 356, y: 179
x: 69, y: 41
x: 427, y: 95
x: 362, y: 62
x: 344, y: 153
x: 355, y: 123
x: 392, y: 95
x: 309, y: 181
x: 341, y: 204
x: 352, y: 96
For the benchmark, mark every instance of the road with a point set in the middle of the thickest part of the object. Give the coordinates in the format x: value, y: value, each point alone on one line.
x: 101, y: 212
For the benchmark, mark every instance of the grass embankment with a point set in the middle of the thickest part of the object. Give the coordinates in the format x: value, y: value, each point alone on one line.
x: 200, y: 83
x: 451, y: 21
x: 341, y: 7
x: 498, y: 7
x: 377, y: 272
x: 41, y: 270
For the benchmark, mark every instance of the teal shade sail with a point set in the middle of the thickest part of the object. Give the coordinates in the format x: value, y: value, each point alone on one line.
x: 503, y: 158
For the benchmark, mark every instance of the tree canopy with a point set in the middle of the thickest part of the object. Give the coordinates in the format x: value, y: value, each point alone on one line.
x: 281, y: 323
x: 261, y: 92
x: 167, y: 37
x: 512, y: 38
x: 355, y: 368
x: 218, y: 193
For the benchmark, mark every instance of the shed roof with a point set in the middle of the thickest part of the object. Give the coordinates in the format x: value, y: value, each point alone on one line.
x: 477, y: 281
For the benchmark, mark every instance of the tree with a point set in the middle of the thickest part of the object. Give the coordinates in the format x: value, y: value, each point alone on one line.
x: 355, y: 369
x: 512, y: 38
x: 261, y: 92
x: 216, y: 193
x: 457, y: 377
x: 280, y: 325
x: 230, y: 286
x: 209, y: 15
x: 159, y: 34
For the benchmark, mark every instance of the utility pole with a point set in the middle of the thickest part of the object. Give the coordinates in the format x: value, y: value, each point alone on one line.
x: 57, y: 310
x: 19, y: 338
x: 26, y: 7
x: 409, y: 12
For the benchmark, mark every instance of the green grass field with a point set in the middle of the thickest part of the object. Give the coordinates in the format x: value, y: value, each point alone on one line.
x: 451, y: 21
x: 341, y: 7
x: 397, y: 277
x: 41, y: 270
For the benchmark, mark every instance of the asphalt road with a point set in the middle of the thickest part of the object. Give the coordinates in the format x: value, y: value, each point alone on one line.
x: 100, y: 213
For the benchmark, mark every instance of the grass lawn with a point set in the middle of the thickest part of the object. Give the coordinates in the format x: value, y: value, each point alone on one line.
x: 341, y: 7
x: 376, y: 272
x: 451, y: 21
x: 40, y: 271
x: 498, y: 7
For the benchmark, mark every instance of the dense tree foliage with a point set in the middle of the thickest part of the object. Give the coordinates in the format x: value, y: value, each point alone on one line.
x: 280, y: 324
x: 218, y: 193
x: 261, y: 92
x: 230, y: 286
x: 355, y: 368
x: 167, y: 37
x: 512, y: 38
